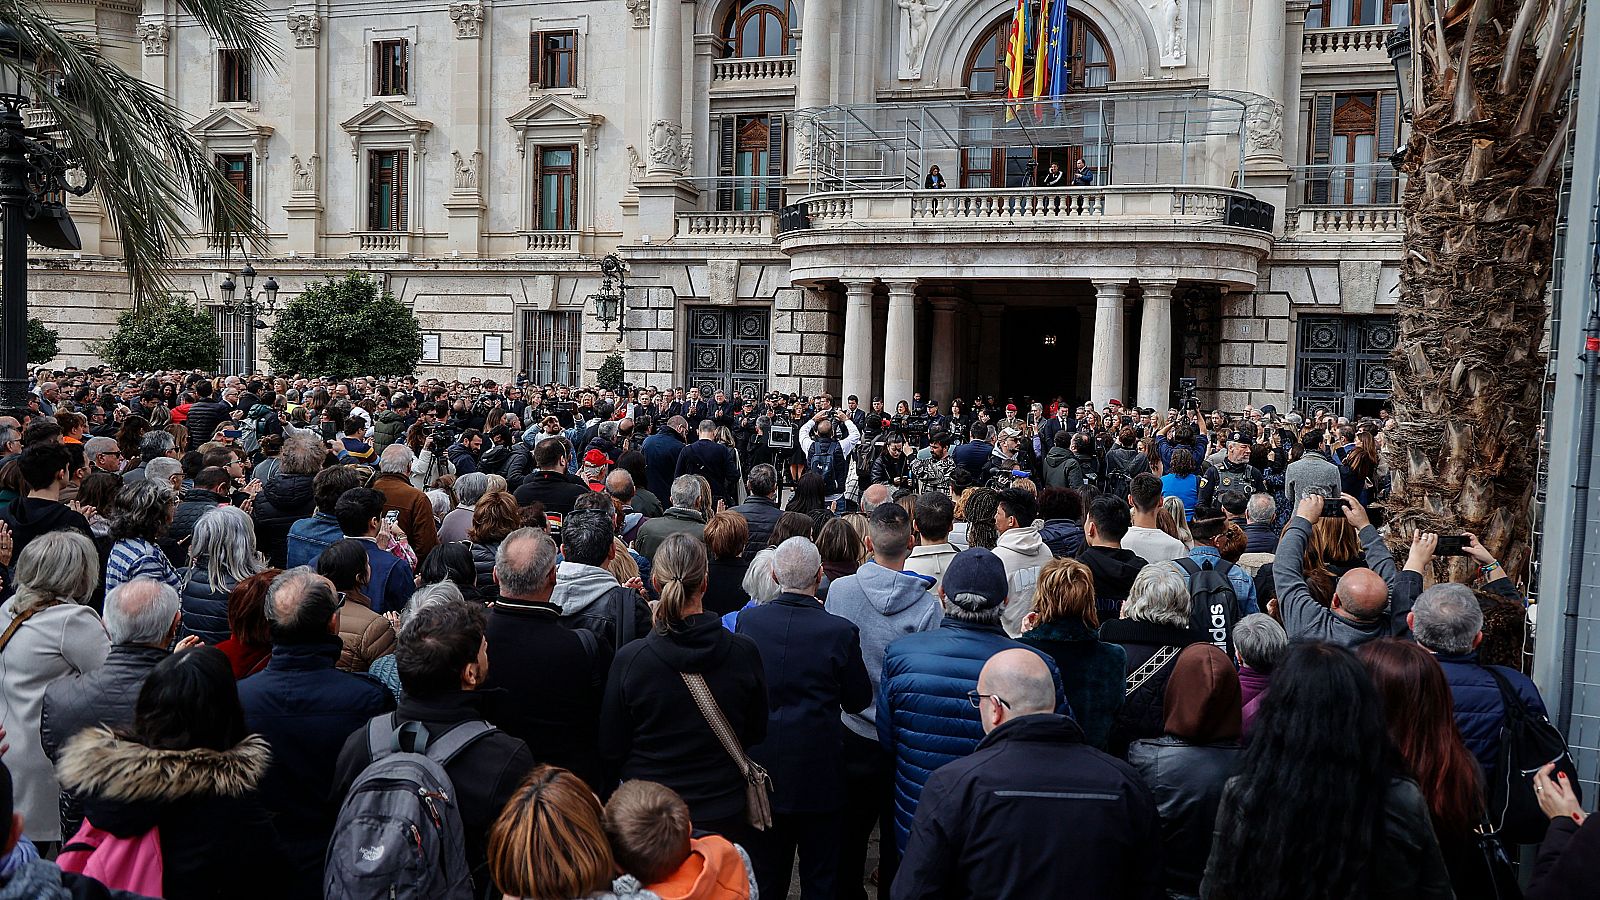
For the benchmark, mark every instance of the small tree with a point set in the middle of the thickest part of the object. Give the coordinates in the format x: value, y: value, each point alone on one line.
x: 611, y: 373
x: 344, y: 328
x: 163, y: 332
x: 43, y: 342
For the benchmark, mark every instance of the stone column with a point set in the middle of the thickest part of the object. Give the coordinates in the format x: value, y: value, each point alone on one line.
x: 664, y: 141
x: 942, y: 372
x: 857, y: 366
x: 1269, y: 23
x: 464, y: 210
x: 1105, y: 379
x: 900, y: 344
x: 813, y: 86
x: 1155, y: 346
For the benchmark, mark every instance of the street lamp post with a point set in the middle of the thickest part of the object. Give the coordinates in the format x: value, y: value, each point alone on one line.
x: 1400, y: 56
x: 35, y: 174
x: 609, y: 300
x: 249, y: 307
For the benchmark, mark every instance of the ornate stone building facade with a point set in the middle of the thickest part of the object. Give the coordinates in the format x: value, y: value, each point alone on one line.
x: 482, y: 156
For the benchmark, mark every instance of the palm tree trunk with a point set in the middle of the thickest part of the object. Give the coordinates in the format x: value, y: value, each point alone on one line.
x: 1480, y: 208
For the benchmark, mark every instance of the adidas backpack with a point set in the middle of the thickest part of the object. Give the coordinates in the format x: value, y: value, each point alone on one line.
x: 1213, y: 603
x: 399, y: 833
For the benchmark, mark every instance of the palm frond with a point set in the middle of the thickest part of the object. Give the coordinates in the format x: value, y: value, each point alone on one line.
x: 151, y: 174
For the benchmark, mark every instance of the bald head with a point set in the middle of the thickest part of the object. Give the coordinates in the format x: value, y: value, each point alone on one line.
x: 1021, y: 679
x: 873, y: 497
x: 1361, y: 594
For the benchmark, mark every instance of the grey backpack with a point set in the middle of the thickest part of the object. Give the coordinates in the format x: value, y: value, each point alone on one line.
x: 399, y: 831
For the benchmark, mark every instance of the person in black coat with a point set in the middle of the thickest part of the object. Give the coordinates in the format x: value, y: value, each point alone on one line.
x: 710, y: 459
x: 550, y: 484
x: 1154, y: 628
x: 306, y: 708
x: 187, y: 768
x: 442, y: 690
x: 205, y: 414
x: 287, y: 497
x: 1568, y: 866
x: 661, y: 451
x: 990, y: 825
x: 212, y: 488
x: 760, y: 508
x: 546, y: 680
x: 814, y: 669
x: 650, y: 726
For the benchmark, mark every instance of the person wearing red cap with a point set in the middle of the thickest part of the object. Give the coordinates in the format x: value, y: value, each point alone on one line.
x: 1011, y: 421
x: 593, y: 469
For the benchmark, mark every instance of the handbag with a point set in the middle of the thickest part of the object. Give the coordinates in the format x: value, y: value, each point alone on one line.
x: 1497, y: 872
x: 758, y: 784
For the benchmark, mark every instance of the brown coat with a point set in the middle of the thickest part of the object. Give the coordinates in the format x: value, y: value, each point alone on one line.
x: 416, y: 513
x: 366, y: 634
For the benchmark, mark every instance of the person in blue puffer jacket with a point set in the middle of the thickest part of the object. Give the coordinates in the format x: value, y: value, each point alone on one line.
x: 925, y: 714
x: 222, y: 553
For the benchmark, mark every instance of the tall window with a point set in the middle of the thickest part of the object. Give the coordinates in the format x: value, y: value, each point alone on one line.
x: 236, y: 167
x: 554, y: 57
x: 386, y: 190
x: 557, y: 202
x: 552, y: 346
x: 233, y: 76
x: 751, y: 162
x: 758, y: 28
x: 1347, y: 13
x: 1352, y: 137
x: 391, y: 67
x: 1092, y: 65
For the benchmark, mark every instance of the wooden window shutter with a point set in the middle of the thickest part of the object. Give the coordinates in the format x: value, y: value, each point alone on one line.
x: 1388, y: 129
x: 536, y: 59
x: 374, y: 189
x: 1321, y: 145
x: 571, y: 223
x: 775, y: 161
x: 405, y: 70
x: 247, y: 184
x: 538, y: 190
x: 377, y: 68
x: 727, y: 153
x: 401, y: 190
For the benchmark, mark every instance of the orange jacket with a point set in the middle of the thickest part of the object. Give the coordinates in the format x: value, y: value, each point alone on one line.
x: 715, y: 870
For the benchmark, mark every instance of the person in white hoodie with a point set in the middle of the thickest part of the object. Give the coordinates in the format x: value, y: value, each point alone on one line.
x: 589, y: 595
x: 1022, y: 551
x: 885, y: 602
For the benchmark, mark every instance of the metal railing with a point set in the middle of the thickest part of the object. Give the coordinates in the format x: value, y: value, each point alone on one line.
x: 1348, y: 184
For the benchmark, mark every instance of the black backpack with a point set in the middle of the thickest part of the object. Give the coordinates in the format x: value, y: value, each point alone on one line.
x: 1528, y: 742
x: 1213, y: 604
x: 1119, y: 475
x: 826, y: 458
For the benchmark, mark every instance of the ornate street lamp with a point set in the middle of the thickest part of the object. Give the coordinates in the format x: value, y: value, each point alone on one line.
x: 35, y: 176
x: 249, y: 307
x: 1399, y: 47
x: 608, y: 301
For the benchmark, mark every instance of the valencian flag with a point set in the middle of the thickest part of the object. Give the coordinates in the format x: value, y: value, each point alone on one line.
x: 1016, y: 52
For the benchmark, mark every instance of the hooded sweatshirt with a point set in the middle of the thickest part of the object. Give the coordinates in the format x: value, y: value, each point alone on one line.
x: 1114, y: 570
x: 884, y: 605
x: 29, y: 517
x: 580, y: 586
x: 1058, y: 466
x: 1024, y: 553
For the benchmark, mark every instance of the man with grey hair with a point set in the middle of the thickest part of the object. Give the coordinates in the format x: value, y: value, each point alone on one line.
x: 1448, y: 621
x: 1260, y: 524
x: 467, y: 491
x: 103, y: 454
x: 552, y: 677
x: 416, y: 511
x: 922, y: 718
x: 873, y: 497
x: 155, y: 444
x: 989, y: 825
x: 682, y: 516
x: 143, y: 618
x: 586, y: 592
x: 760, y: 507
x: 814, y: 672
x: 306, y: 708
x: 288, y: 496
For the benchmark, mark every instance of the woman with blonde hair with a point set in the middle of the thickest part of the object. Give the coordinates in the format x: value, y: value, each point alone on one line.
x: 1174, y: 520
x: 52, y: 635
x: 494, y: 516
x: 1065, y: 625
x: 650, y: 726
x: 550, y: 840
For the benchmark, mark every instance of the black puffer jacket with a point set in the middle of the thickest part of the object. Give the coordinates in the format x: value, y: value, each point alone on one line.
x: 284, y: 499
x: 205, y: 605
x: 483, y: 562
x: 1143, y: 714
x: 192, y: 504
x: 1187, y: 781
x: 204, y: 417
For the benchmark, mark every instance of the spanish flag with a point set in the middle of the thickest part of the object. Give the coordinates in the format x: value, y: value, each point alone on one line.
x: 1016, y: 52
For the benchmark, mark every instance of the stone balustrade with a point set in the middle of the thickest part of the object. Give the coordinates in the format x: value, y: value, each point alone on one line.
x: 381, y: 242
x: 1357, y: 39
x: 761, y: 68
x: 552, y: 242
x: 1324, y: 221
x: 754, y: 225
x: 1000, y: 206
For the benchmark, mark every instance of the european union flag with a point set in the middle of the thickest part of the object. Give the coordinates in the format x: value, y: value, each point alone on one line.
x: 1059, y: 50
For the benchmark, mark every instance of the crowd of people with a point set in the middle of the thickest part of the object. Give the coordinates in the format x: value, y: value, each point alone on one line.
x: 298, y: 637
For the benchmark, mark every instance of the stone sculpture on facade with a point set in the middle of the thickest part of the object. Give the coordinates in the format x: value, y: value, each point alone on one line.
x: 466, y: 171
x: 468, y: 17
x: 155, y: 36
x: 1264, y: 127
x: 917, y: 13
x: 306, y: 28
x: 640, y: 9
x: 1169, y: 19
x: 666, y: 145
x: 305, y: 174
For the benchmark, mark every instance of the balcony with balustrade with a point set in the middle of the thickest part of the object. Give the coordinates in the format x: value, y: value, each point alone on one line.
x: 388, y: 244
x: 766, y: 73
x: 1160, y: 203
x: 1351, y: 202
x: 1345, y: 48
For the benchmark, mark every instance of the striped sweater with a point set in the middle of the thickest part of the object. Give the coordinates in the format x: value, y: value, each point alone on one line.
x: 138, y: 558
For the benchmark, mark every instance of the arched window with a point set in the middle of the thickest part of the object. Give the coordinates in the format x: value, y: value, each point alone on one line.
x: 1092, y: 65
x: 755, y: 28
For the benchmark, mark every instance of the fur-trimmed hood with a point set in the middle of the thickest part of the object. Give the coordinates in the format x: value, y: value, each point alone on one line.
x: 98, y: 763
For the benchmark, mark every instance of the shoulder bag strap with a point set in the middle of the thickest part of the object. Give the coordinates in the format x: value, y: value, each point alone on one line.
x: 16, y: 623
x: 1151, y: 666
x: 1508, y: 695
x: 701, y: 692
x: 1188, y: 565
